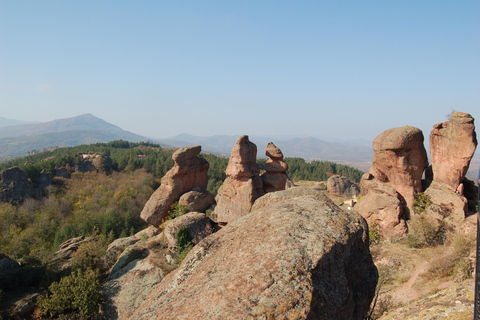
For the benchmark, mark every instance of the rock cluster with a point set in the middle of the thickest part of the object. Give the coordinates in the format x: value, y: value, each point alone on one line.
x: 400, y: 160
x: 342, y: 187
x: 295, y: 256
x: 243, y: 184
x: 275, y: 177
x: 189, y: 172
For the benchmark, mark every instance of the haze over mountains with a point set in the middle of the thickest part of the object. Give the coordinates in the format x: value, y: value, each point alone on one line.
x: 17, y: 138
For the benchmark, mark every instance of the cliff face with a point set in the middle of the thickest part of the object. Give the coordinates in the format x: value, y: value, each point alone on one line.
x: 296, y: 255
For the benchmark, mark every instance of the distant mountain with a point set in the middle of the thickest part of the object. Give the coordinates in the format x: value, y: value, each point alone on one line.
x: 308, y: 148
x: 84, y: 129
x: 4, y: 122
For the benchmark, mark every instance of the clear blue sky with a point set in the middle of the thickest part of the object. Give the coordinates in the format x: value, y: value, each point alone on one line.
x: 346, y: 69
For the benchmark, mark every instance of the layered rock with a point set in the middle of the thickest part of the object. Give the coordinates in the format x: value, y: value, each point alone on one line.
x: 189, y: 172
x: 452, y: 145
x: 243, y: 184
x: 275, y: 177
x: 295, y: 256
x: 342, y: 187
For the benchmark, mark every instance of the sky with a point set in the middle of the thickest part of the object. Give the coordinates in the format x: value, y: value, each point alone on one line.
x: 338, y: 69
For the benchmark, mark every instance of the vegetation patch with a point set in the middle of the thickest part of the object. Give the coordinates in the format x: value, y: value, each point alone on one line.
x: 184, y: 243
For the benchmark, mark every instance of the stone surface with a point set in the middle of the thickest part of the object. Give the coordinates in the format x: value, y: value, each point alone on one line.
x: 399, y: 160
x: 14, y: 186
x: 454, y: 303
x: 189, y: 172
x: 383, y: 207
x: 295, y: 256
x: 198, y: 201
x: 63, y: 255
x: 342, y: 187
x: 455, y: 204
x: 275, y: 177
x: 243, y: 184
x: 452, y: 145
x: 198, y: 224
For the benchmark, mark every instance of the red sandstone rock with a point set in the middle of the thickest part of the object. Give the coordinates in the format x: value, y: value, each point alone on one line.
x: 198, y: 201
x: 452, y: 145
x: 243, y: 184
x: 295, y: 256
x: 399, y: 160
x: 383, y: 207
x: 274, y: 177
x: 342, y: 187
x: 189, y: 172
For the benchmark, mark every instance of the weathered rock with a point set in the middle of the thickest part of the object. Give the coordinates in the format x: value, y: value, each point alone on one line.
x: 399, y: 160
x: 454, y: 204
x: 189, y: 172
x: 342, y: 187
x: 274, y: 178
x: 198, y: 224
x: 7, y: 266
x: 295, y: 256
x: 198, y: 201
x: 383, y: 207
x: 14, y: 186
x: 243, y: 184
x: 129, y: 286
x: 61, y: 173
x: 452, y: 145
x: 455, y: 302
x: 63, y: 255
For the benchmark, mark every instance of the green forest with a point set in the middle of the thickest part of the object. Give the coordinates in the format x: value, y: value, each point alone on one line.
x: 104, y: 202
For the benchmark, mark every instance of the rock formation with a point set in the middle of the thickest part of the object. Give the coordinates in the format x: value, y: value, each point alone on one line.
x: 452, y: 145
x: 14, y: 186
x: 382, y: 206
x: 388, y: 189
x: 399, y: 160
x: 295, y: 256
x: 342, y: 187
x: 275, y: 177
x: 199, y: 226
x: 198, y: 201
x: 189, y: 172
x: 243, y: 184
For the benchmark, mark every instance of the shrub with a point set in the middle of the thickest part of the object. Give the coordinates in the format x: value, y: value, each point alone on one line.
x: 184, y: 243
x: 422, y: 233
x: 421, y: 202
x: 76, y: 293
x: 374, y: 237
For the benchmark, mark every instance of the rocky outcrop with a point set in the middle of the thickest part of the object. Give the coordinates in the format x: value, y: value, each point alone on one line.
x: 198, y: 201
x: 342, y: 187
x: 388, y: 189
x: 399, y: 160
x: 452, y: 145
x: 383, y: 207
x: 7, y: 267
x: 63, y: 256
x: 275, y: 177
x: 189, y: 172
x: 243, y: 184
x: 14, y: 186
x: 295, y: 256
x: 199, y: 226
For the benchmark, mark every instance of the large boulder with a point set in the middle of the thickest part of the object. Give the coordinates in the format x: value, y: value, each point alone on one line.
x: 342, y: 187
x: 399, y: 160
x: 275, y: 177
x: 198, y: 201
x: 189, y: 172
x: 452, y: 145
x: 14, y: 186
x: 383, y: 207
x: 243, y: 184
x: 295, y: 256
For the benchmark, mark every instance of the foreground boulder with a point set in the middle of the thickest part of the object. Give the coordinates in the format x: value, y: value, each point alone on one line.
x: 275, y: 177
x: 295, y: 256
x: 243, y: 184
x: 342, y: 187
x: 189, y: 172
x: 452, y: 145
